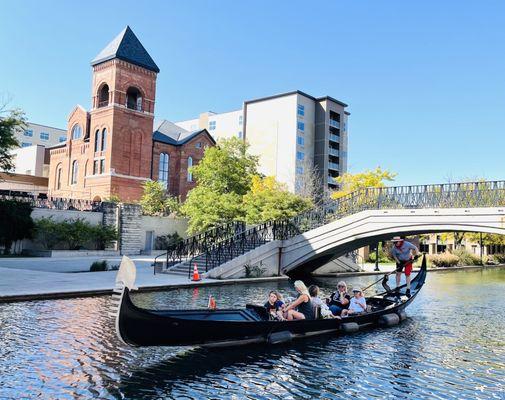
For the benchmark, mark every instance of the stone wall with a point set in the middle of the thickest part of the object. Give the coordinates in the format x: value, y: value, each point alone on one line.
x: 130, y: 217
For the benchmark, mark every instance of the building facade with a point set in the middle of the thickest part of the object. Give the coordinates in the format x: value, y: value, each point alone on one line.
x: 41, y: 135
x: 111, y: 150
x: 290, y: 133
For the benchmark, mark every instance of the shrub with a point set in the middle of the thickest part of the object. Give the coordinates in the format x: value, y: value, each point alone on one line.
x: 15, y: 223
x: 499, y: 258
x: 466, y: 258
x: 165, y: 242
x: 444, y: 260
x: 98, y: 266
x: 384, y: 256
x: 102, y: 236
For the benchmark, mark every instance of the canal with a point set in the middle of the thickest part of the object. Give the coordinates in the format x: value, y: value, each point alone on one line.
x: 451, y: 346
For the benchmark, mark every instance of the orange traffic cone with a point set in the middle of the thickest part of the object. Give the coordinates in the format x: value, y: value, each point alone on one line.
x: 196, y: 275
x: 212, y: 303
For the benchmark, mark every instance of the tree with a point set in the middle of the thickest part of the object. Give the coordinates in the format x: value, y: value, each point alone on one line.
x: 309, y: 183
x: 103, y: 235
x: 16, y: 223
x: 156, y: 201
x: 370, y: 178
x: 269, y: 200
x: 48, y: 233
x: 223, y: 177
x: 13, y: 121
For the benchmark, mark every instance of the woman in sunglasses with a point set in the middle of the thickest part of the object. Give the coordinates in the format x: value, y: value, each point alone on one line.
x: 339, y: 300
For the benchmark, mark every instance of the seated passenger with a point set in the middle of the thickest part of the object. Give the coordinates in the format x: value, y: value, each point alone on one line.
x: 340, y: 299
x: 318, y: 303
x: 301, y: 308
x: 357, y: 304
x: 274, y: 305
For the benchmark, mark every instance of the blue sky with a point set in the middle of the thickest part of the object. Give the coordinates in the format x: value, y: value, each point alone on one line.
x: 424, y: 80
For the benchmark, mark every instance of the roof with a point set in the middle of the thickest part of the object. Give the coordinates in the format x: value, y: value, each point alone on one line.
x: 126, y: 47
x: 296, y: 92
x: 169, y: 133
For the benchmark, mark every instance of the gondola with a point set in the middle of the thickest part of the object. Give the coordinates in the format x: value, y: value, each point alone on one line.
x: 136, y: 326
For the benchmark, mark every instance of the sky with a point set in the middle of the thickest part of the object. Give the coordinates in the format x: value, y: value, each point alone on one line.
x: 424, y: 80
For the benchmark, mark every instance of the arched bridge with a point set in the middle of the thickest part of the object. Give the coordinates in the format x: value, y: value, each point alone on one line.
x: 305, y: 242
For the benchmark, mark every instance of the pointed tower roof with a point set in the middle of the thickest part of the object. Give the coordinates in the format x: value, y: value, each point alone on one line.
x: 126, y: 47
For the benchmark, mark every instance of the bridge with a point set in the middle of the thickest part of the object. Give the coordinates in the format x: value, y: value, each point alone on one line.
x: 307, y: 241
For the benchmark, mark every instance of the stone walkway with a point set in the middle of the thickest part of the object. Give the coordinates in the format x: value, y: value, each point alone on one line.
x: 45, y: 278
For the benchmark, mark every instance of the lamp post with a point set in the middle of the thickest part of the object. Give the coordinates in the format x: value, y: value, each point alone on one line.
x: 481, y: 263
x: 377, y: 257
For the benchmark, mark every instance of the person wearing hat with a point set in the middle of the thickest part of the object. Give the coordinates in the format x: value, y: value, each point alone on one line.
x: 403, y: 253
x: 357, y: 304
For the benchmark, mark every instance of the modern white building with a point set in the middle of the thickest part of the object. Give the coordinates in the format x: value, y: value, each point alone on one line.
x: 36, y: 134
x: 290, y: 132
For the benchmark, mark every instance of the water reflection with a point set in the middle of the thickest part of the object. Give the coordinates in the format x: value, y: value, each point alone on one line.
x: 452, y: 346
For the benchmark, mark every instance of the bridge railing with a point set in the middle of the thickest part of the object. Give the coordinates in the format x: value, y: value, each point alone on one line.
x: 451, y: 195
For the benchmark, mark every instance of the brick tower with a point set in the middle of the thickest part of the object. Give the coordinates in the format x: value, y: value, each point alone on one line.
x: 121, y: 119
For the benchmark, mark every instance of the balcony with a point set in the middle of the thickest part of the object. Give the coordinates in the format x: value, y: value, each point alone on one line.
x: 334, y: 124
x: 333, y: 152
x: 334, y: 138
x: 331, y: 181
x: 333, y: 166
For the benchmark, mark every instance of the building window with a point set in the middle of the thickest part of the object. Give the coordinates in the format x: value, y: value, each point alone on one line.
x: 240, y: 119
x: 58, y: 178
x: 75, y: 170
x: 104, y: 140
x: 299, y: 170
x: 44, y: 136
x: 301, y: 126
x: 62, y: 139
x: 97, y: 140
x: 26, y: 144
x: 300, y: 140
x: 240, y: 135
x: 300, y: 155
x: 345, y: 126
x: 198, y: 145
x: 301, y: 110
x: 190, y: 174
x: 102, y: 166
x: 163, y: 169
x: 133, y: 99
x: 76, y: 132
x: 95, y: 167
x: 103, y: 96
x: 28, y: 133
x: 212, y: 125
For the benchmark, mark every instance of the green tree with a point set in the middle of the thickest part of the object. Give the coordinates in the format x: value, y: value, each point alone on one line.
x: 156, y: 201
x: 349, y: 183
x: 76, y: 233
x: 9, y: 123
x: 103, y: 236
x: 15, y: 223
x: 48, y: 233
x: 269, y: 200
x: 223, y: 177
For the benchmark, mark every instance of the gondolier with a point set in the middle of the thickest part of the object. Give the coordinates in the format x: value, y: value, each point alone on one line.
x: 403, y: 253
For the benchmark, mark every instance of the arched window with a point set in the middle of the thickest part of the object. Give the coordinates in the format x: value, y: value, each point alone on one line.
x: 75, y: 170
x: 134, y: 99
x: 97, y: 140
x: 58, y: 177
x: 104, y: 139
x: 190, y: 164
x: 76, y: 132
x: 103, y: 96
x: 163, y: 169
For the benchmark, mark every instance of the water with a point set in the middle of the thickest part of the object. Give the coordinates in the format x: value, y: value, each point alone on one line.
x: 452, y: 346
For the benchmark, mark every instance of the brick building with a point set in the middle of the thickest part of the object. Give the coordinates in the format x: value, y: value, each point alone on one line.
x: 115, y: 147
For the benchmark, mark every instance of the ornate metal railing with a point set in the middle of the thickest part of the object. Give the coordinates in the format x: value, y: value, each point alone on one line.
x: 453, y: 195
x: 201, y: 243
x: 54, y: 203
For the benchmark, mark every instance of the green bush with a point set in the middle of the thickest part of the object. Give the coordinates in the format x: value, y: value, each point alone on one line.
x: 73, y: 234
x: 499, y: 258
x: 444, y: 260
x: 384, y: 256
x: 167, y: 241
x: 466, y: 258
x: 98, y: 266
x: 15, y: 223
